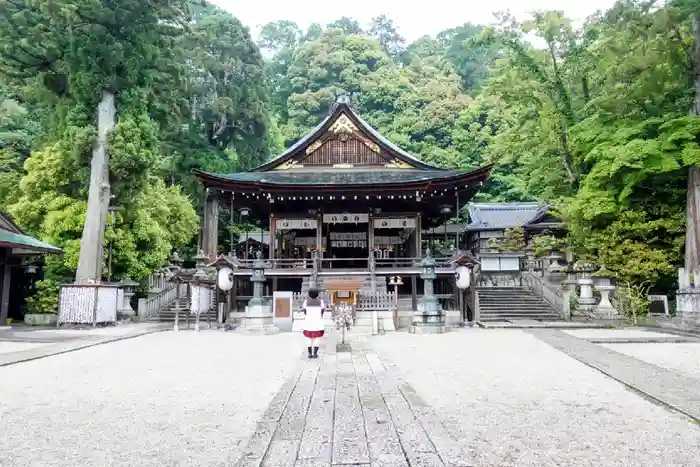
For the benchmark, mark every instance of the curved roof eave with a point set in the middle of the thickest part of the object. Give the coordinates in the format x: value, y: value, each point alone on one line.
x: 340, y: 107
x: 478, y: 174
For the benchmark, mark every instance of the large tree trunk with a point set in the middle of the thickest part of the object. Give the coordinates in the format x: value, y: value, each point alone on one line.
x: 692, y: 232
x: 91, y: 244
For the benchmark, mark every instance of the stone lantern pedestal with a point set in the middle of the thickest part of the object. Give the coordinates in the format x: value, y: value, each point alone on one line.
x: 586, y: 300
x: 605, y: 309
x: 428, y: 319
x: 126, y: 312
x: 258, y: 314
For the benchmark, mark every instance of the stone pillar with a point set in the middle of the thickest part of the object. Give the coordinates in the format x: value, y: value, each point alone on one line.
x: 210, y: 225
x: 568, y: 288
x: 688, y: 299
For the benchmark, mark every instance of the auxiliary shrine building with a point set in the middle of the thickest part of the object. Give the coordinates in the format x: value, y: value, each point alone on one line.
x: 343, y: 202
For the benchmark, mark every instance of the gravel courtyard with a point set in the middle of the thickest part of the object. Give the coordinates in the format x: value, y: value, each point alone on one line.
x: 165, y: 399
x: 519, y: 402
x: 684, y: 358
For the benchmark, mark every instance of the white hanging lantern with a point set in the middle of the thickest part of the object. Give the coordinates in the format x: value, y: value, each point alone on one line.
x: 225, y: 279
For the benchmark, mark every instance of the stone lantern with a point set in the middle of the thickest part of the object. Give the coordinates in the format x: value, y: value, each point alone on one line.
x: 258, y: 279
x: 429, y: 319
x: 258, y: 314
x: 555, y: 269
x: 586, y: 300
x: 175, y: 264
x: 128, y: 290
x: 605, y: 309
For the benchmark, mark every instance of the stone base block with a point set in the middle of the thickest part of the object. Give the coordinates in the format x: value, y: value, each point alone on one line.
x: 258, y: 320
x: 343, y: 347
x: 423, y: 329
x: 606, y: 313
x: 256, y: 330
x: 40, y: 319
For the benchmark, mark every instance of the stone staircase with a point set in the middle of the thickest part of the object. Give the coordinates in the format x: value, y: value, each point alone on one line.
x: 181, y: 307
x: 513, y: 303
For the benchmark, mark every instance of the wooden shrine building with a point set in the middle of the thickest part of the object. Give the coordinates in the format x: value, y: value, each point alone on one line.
x: 343, y: 201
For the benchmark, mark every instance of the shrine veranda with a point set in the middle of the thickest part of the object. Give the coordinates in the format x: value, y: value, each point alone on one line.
x: 343, y: 202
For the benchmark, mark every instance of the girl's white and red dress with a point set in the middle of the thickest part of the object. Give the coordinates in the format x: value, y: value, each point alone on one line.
x: 313, y: 322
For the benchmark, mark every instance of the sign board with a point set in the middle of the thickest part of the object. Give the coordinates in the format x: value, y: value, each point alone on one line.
x: 658, y: 304
x: 282, y: 316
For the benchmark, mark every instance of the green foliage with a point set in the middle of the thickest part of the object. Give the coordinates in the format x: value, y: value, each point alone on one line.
x: 45, y: 297
x: 631, y: 299
x: 513, y: 240
x: 543, y: 245
x: 594, y: 118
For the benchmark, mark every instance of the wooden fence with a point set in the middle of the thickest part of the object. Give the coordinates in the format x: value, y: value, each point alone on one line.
x: 380, y: 301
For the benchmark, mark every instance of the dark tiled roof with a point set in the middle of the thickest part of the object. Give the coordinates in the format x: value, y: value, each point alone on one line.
x: 254, y: 237
x: 502, y: 216
x: 342, y: 177
x: 440, y: 229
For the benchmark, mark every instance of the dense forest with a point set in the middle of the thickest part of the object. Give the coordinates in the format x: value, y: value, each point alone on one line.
x: 598, y: 119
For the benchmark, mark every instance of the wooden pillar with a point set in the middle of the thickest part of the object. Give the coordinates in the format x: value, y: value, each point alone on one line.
x: 419, y: 237
x: 370, y: 235
x: 319, y: 238
x: 5, y: 275
x: 210, y: 225
x: 233, y: 295
x: 273, y: 237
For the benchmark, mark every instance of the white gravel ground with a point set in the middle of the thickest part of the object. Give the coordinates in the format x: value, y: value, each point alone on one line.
x: 518, y: 402
x: 684, y: 358
x: 165, y: 399
x: 615, y: 333
x: 9, y: 346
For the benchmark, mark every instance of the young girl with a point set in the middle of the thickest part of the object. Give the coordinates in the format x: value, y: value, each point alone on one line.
x: 313, y: 323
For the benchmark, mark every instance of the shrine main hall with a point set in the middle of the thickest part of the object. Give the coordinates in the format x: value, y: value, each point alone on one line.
x: 342, y: 202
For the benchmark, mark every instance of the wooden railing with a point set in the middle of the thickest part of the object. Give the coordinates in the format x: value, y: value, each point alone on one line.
x: 343, y: 263
x: 379, y: 301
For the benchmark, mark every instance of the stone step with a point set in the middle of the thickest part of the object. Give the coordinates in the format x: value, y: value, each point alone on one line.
x: 515, y: 306
x: 512, y: 302
x: 515, y: 313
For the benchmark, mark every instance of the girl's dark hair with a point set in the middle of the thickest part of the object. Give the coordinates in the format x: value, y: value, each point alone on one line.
x: 313, y: 293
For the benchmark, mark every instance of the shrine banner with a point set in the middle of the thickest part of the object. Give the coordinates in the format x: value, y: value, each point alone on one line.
x: 346, y: 218
x: 296, y: 224
x: 395, y: 223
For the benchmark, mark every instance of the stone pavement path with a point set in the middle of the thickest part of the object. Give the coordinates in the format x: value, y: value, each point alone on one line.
x: 666, y: 386
x: 21, y: 344
x: 349, y: 409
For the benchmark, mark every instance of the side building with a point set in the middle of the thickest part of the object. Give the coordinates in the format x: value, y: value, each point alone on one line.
x: 489, y: 221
